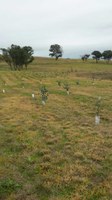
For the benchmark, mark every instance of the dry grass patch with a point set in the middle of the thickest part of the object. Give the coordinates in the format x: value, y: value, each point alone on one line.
x: 55, y: 151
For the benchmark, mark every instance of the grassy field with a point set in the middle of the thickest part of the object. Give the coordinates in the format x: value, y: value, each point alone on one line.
x: 56, y: 152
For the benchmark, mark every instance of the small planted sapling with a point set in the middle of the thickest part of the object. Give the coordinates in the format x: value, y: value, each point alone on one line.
x: 98, y: 106
x: 66, y: 87
x: 44, y: 94
x: 4, y: 83
x: 33, y: 96
x: 71, y: 69
x: 23, y: 85
x: 93, y: 79
x: 59, y: 83
x: 77, y: 82
x: 3, y: 91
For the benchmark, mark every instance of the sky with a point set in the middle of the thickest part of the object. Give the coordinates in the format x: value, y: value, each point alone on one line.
x: 79, y: 26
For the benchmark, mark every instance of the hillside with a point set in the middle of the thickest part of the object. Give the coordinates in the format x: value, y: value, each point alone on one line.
x: 55, y: 151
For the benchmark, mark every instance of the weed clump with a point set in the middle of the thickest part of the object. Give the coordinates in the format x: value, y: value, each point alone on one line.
x: 9, y: 185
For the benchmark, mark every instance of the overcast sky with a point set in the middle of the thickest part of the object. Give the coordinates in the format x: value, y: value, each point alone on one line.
x: 79, y: 26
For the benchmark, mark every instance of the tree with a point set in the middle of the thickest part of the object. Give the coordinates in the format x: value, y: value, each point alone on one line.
x: 1, y: 58
x: 85, y: 57
x: 17, y: 57
x: 96, y: 55
x: 56, y: 51
x: 28, y: 58
x: 6, y: 57
x: 107, y: 55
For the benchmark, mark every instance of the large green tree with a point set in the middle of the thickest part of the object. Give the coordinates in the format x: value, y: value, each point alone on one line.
x: 56, y: 51
x: 28, y: 58
x: 107, y: 55
x: 96, y: 55
x: 17, y: 57
x: 6, y: 57
x: 1, y: 57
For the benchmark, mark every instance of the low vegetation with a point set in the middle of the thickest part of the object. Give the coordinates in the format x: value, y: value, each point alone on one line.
x: 56, y: 151
x: 17, y: 57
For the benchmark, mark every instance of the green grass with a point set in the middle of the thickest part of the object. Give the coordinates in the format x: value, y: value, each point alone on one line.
x: 56, y: 151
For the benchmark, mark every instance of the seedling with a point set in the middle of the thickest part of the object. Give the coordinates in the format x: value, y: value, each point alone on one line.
x: 23, y: 85
x: 97, y: 120
x: 98, y: 105
x: 33, y: 95
x: 77, y: 82
x: 93, y: 79
x: 59, y: 83
x: 66, y: 87
x: 3, y: 91
x: 44, y: 94
x: 71, y: 69
x: 4, y: 83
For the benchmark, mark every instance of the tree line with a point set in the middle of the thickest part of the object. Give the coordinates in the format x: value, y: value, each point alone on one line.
x: 97, y: 55
x: 19, y: 57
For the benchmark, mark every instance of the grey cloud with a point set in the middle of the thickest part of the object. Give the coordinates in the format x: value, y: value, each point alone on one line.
x: 77, y: 25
